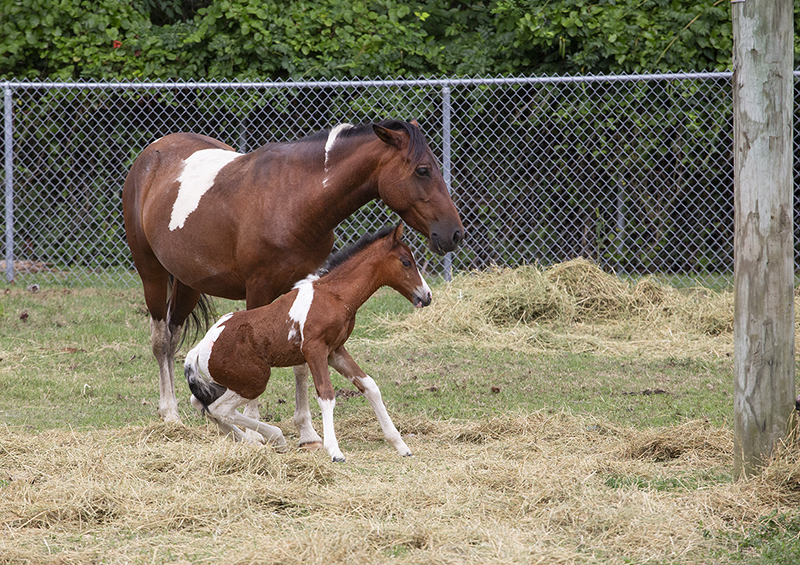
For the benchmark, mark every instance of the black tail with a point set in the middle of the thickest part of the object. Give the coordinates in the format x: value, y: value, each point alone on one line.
x: 205, y: 391
x: 199, y: 320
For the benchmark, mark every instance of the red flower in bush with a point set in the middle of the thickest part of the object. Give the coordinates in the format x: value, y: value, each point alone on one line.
x: 117, y: 44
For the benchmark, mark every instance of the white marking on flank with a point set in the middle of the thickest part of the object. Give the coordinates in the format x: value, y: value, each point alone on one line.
x: 200, y: 170
x: 301, y: 305
x: 329, y: 146
x: 207, y: 343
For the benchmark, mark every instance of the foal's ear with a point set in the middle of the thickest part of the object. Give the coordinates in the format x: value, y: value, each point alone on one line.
x: 396, y: 237
x: 390, y: 137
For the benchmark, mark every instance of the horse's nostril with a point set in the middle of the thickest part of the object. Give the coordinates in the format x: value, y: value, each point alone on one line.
x: 457, y: 236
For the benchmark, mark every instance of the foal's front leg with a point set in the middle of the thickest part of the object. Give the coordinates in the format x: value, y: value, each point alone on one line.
x: 327, y: 401
x: 302, y: 413
x: 341, y: 360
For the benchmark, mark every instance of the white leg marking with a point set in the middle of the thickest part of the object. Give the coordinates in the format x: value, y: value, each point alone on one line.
x: 302, y: 412
x: 223, y: 411
x: 301, y: 305
x: 329, y: 443
x: 373, y: 395
x: 251, y: 411
x: 199, y: 171
x: 164, y: 345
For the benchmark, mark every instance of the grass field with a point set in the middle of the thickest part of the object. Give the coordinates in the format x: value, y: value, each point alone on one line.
x: 561, y: 439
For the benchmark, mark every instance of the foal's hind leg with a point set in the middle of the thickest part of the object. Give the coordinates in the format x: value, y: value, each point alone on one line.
x: 223, y: 411
x: 302, y: 413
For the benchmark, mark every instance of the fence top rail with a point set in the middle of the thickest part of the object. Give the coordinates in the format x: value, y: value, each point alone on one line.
x: 442, y: 82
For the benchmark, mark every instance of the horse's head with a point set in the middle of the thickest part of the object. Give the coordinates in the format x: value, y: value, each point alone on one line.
x: 411, y: 184
x: 400, y: 270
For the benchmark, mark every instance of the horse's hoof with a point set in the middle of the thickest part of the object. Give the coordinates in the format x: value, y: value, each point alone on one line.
x: 311, y: 446
x: 282, y: 448
x: 336, y: 459
x: 409, y: 454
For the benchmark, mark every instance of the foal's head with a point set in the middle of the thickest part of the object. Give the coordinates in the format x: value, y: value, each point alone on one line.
x: 392, y: 262
x: 401, y: 271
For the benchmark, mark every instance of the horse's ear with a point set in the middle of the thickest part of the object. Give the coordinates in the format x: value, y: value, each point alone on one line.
x: 398, y: 232
x: 389, y: 137
x: 414, y: 123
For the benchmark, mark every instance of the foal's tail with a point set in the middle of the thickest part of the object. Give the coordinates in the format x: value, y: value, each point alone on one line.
x: 206, y: 391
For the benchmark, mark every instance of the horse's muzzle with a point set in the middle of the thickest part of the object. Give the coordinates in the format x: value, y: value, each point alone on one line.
x: 441, y: 243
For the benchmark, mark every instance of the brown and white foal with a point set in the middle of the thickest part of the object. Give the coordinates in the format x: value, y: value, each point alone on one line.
x: 310, y: 324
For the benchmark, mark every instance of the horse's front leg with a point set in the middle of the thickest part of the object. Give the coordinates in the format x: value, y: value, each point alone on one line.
x: 164, y: 341
x: 309, y: 438
x: 341, y: 360
x: 327, y: 401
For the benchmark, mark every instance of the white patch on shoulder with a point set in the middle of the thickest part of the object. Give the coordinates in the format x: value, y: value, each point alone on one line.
x: 200, y: 170
x: 329, y: 145
x: 301, y: 305
x: 207, y: 343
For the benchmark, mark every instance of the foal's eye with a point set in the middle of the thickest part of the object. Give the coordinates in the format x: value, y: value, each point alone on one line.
x: 423, y: 172
x: 406, y: 262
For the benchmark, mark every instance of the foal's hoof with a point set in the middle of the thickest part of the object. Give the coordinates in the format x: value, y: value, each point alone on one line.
x: 282, y: 448
x: 311, y: 446
x: 336, y: 459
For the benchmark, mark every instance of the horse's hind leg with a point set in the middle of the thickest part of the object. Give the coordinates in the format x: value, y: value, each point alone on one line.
x: 164, y: 343
x: 309, y: 438
x: 165, y: 333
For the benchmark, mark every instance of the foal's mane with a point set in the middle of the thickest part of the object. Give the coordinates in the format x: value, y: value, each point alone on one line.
x: 341, y: 256
x: 416, y: 148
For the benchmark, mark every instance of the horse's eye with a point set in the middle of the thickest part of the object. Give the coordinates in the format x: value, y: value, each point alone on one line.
x: 406, y: 262
x: 423, y: 172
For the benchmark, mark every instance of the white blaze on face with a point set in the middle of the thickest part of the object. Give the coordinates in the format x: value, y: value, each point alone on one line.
x: 301, y: 305
x: 329, y: 146
x: 207, y: 343
x: 200, y: 170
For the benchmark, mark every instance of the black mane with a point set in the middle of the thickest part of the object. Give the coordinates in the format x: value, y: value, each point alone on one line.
x: 346, y: 253
x: 416, y: 148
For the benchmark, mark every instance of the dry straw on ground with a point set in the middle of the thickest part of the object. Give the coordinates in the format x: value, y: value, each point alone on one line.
x: 575, y: 307
x: 549, y: 488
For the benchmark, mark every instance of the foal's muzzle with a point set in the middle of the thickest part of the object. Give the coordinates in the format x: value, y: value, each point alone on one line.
x: 421, y: 297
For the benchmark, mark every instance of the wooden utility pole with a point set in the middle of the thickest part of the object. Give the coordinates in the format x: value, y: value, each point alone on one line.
x: 764, y: 390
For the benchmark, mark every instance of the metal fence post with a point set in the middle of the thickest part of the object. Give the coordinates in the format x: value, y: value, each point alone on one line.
x: 448, y: 258
x: 9, y: 181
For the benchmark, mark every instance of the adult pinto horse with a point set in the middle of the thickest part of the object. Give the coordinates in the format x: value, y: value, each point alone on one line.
x: 201, y: 218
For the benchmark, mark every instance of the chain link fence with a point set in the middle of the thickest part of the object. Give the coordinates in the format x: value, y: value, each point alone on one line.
x: 634, y: 172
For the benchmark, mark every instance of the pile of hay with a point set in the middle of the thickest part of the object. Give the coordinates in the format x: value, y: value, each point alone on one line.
x: 573, y: 306
x: 525, y: 488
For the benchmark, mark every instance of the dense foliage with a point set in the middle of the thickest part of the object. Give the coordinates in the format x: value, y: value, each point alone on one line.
x: 246, y: 39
